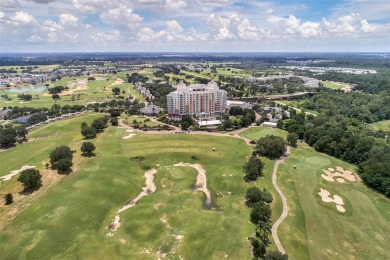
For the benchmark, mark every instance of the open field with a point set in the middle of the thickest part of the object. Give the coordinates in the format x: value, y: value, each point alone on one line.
x: 382, y: 125
x: 84, y: 91
x: 337, y: 85
x: 314, y: 229
x: 255, y: 133
x: 72, y: 217
x: 36, y: 153
x: 41, y: 67
x: 331, y: 85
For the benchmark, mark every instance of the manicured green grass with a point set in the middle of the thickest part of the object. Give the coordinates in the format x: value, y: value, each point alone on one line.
x: 63, y: 132
x: 97, y: 91
x: 382, y: 125
x: 71, y: 219
x: 332, y: 85
x: 255, y: 133
x: 316, y: 230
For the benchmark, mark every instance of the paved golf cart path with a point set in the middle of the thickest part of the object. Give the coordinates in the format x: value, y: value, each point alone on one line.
x: 284, y: 201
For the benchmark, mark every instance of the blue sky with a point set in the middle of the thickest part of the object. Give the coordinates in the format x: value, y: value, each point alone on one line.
x: 197, y: 25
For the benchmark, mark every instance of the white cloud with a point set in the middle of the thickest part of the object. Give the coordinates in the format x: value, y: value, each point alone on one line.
x: 173, y: 5
x: 22, y: 18
x: 121, y: 17
x: 68, y: 19
x: 92, y: 6
x: 231, y: 26
x: 370, y: 9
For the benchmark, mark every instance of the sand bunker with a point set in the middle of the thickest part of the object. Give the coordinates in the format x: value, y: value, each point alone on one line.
x: 149, y: 188
x: 331, y: 173
x: 16, y: 172
x: 129, y: 136
x: 201, y: 180
x: 325, y: 196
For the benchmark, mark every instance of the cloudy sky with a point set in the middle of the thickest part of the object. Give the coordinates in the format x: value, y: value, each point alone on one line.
x: 194, y: 25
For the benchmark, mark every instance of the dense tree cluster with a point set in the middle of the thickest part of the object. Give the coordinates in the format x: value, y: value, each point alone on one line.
x: 160, y: 92
x: 253, y: 169
x: 56, y: 89
x: 25, y: 97
x: 31, y: 179
x: 258, y: 200
x: 61, y: 159
x: 270, y: 146
x: 88, y: 149
x: 363, y: 107
x: 9, y: 135
x: 135, y: 77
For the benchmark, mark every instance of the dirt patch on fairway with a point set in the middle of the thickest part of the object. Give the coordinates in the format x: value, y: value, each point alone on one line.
x: 149, y: 188
x: 118, y: 81
x: 16, y: 172
x: 325, y: 196
x: 201, y: 180
x: 339, y: 173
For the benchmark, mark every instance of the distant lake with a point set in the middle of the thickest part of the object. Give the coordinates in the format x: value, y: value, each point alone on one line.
x: 25, y: 89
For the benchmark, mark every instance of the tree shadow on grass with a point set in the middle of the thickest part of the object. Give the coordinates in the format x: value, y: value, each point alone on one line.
x: 88, y: 155
x: 29, y: 191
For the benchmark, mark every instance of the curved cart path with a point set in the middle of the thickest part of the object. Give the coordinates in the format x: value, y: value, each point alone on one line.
x: 284, y: 201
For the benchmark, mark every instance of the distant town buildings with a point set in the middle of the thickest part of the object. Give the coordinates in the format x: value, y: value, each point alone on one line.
x: 321, y: 70
x: 198, y: 100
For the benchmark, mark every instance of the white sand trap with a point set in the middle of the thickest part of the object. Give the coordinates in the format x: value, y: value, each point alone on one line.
x: 130, y: 130
x: 16, y: 172
x: 149, y: 188
x: 129, y: 136
x: 330, y: 173
x: 325, y: 196
x: 340, y: 208
x: 201, y: 180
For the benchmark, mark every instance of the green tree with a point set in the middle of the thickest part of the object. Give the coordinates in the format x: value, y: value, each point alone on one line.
x: 227, y: 124
x: 88, y: 132
x: 253, y: 169
x: 271, y: 146
x: 114, y: 121
x: 7, y: 136
x: 55, y: 96
x: 64, y: 165
x: 261, y: 212
x: 100, y: 123
x: 60, y: 154
x: 292, y: 139
x: 9, y: 199
x: 31, y: 179
x: 258, y: 247
x: 116, y: 91
x: 21, y: 132
x: 88, y: 148
x: 253, y: 195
